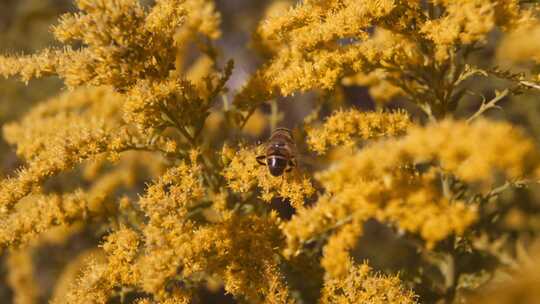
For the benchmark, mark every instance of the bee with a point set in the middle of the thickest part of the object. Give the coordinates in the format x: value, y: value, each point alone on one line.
x: 279, y: 152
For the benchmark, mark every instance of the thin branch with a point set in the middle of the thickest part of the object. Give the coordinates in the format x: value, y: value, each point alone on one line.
x: 177, y: 125
x: 491, y: 104
x: 468, y: 72
x: 507, y: 185
x: 426, y: 108
x: 530, y: 84
x: 500, y: 189
x: 246, y: 118
x: 515, y: 77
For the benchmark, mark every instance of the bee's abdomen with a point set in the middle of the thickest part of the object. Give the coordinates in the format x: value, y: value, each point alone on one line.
x: 276, y: 164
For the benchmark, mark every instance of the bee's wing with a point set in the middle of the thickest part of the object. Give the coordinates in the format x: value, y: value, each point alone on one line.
x: 261, y: 159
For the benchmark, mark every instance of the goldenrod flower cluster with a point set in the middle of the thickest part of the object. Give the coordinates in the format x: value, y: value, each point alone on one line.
x: 395, y: 47
x: 364, y: 287
x: 381, y: 181
x: 60, y: 134
x: 345, y: 128
x: 147, y: 161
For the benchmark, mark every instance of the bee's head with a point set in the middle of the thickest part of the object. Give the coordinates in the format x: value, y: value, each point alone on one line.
x: 280, y: 129
x: 283, y: 133
x: 276, y: 165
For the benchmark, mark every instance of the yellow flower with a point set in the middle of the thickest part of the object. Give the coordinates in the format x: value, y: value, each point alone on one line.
x: 360, y: 285
x: 347, y: 127
x: 381, y: 182
x: 60, y: 134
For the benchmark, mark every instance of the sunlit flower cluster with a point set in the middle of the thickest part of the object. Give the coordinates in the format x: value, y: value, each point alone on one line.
x: 383, y: 181
x: 365, y: 287
x: 147, y: 160
x: 346, y: 128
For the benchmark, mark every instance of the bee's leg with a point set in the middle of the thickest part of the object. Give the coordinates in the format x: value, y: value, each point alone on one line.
x: 291, y: 165
x: 260, y: 159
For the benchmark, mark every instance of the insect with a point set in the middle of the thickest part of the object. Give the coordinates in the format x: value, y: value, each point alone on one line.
x: 279, y: 152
